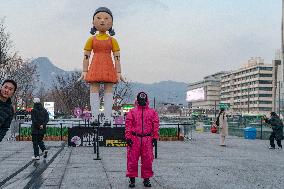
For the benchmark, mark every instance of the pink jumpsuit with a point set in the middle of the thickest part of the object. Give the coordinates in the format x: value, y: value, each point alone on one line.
x: 141, y: 126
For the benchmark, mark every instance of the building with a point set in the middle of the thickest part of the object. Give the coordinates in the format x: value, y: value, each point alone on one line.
x: 204, y: 96
x: 250, y: 88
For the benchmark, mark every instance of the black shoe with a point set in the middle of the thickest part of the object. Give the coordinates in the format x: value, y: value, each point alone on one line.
x: 271, y: 147
x: 279, y: 147
x: 45, y: 153
x: 147, y: 183
x: 132, y: 182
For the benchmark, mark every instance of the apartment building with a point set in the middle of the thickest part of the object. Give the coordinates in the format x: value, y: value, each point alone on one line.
x: 204, y: 96
x: 250, y: 88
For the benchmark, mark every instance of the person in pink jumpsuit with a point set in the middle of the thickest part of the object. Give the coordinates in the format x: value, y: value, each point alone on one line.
x: 141, y: 133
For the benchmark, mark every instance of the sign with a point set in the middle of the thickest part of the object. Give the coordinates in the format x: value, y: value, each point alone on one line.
x: 49, y: 106
x: 119, y: 120
x: 226, y: 106
x: 87, y: 115
x: 77, y: 112
x: 85, y: 136
x: 127, y: 107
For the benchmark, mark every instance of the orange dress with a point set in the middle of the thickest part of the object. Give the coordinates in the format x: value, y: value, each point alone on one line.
x: 101, y: 69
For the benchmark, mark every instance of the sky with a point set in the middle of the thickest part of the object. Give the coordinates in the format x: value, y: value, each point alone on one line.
x: 179, y: 40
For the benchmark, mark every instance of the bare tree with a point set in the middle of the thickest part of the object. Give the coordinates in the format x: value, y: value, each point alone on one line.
x: 122, y: 93
x: 14, y: 67
x: 8, y: 58
x: 68, y: 93
x: 26, y: 76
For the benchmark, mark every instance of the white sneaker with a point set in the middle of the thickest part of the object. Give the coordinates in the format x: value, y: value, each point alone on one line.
x: 35, y: 158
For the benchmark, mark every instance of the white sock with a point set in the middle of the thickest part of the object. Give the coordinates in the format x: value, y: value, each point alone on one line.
x: 108, y: 102
x: 95, y: 104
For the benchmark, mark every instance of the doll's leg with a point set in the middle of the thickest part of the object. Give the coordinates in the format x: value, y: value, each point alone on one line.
x: 108, y: 100
x: 95, y: 100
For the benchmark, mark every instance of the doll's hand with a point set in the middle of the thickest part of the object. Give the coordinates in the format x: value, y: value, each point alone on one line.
x: 120, y: 78
x: 83, y: 76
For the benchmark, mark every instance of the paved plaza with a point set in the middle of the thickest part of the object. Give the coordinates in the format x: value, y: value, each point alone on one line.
x: 200, y: 163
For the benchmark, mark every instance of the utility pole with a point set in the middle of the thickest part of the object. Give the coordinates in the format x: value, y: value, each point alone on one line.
x: 248, y: 100
x: 279, y: 99
x: 282, y: 34
x: 215, y: 109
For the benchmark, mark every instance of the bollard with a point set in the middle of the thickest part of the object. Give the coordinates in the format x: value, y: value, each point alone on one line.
x: 261, y: 128
x: 20, y: 131
x: 97, y: 145
x: 156, y: 149
x: 97, y: 141
x: 178, y: 132
x: 61, y: 137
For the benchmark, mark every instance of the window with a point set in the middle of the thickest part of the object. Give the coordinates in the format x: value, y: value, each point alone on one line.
x: 265, y: 102
x: 265, y: 88
x: 265, y: 95
x: 265, y: 82
x: 265, y: 75
x: 265, y: 68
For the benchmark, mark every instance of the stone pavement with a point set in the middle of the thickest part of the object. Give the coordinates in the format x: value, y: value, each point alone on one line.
x: 200, y: 163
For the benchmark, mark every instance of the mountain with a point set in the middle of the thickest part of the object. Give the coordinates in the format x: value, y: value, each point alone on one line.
x: 164, y: 91
x: 47, y: 71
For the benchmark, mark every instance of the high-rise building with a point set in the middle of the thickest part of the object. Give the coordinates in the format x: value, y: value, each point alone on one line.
x: 204, y: 96
x: 250, y: 88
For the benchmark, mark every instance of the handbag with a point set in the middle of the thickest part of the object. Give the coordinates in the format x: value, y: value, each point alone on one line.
x: 214, y: 128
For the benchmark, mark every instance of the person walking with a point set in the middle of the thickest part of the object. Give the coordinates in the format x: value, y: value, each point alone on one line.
x: 40, y: 118
x: 277, y: 130
x: 141, y: 133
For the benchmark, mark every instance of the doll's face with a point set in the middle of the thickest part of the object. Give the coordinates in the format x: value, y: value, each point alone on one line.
x: 102, y: 21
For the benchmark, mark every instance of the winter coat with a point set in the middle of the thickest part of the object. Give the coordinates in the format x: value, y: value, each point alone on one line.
x: 223, y: 124
x: 6, y: 116
x: 141, y: 127
x: 277, y: 126
x: 39, y: 117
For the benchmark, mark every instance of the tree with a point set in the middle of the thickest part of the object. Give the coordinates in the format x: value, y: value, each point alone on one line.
x: 68, y: 93
x: 26, y: 77
x: 14, y: 67
x: 7, y: 55
x: 122, y: 93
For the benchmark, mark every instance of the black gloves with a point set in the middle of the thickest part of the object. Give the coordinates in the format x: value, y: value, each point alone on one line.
x: 154, y: 141
x: 129, y: 142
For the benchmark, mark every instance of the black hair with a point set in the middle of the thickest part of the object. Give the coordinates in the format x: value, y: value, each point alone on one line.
x: 11, y: 81
x: 273, y: 114
x: 106, y: 10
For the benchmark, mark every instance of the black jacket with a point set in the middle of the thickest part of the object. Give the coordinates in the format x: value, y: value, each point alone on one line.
x: 277, y: 126
x: 39, y: 117
x: 6, y: 116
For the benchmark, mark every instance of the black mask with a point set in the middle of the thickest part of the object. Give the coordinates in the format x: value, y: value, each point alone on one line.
x: 142, y: 99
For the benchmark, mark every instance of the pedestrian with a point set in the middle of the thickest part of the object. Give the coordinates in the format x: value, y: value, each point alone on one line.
x: 141, y: 133
x: 277, y: 130
x: 40, y: 118
x: 7, y: 90
x: 102, y: 69
x: 223, y: 125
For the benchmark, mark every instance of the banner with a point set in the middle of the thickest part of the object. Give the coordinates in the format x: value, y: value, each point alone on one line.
x: 85, y: 136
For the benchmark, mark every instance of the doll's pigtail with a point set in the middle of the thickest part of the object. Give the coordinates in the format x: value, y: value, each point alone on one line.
x: 93, y: 31
x: 111, y: 32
